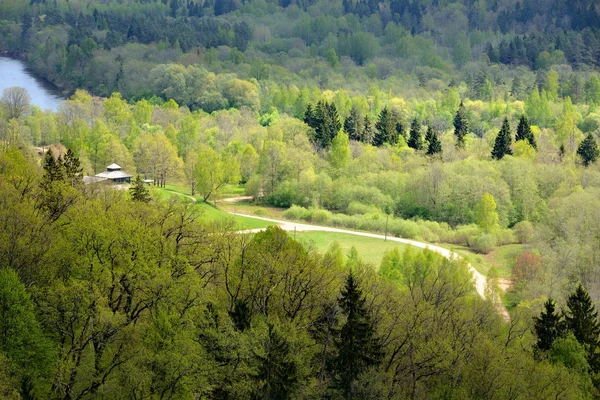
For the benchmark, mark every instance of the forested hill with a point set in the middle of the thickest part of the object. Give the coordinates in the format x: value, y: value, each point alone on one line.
x: 112, y: 46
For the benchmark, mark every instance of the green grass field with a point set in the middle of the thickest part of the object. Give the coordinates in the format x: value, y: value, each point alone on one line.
x: 370, y: 250
x: 210, y: 212
x: 502, y: 258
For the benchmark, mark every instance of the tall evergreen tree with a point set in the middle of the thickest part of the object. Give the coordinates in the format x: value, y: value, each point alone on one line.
x: 277, y: 371
x: 434, y: 145
x: 415, y: 139
x: 368, y: 135
x: 352, y: 125
x: 548, y: 327
x: 582, y: 320
x: 358, y: 347
x: 53, y: 168
x: 386, y: 128
x: 524, y: 132
x: 503, y: 142
x: 72, y: 169
x: 139, y: 191
x: 588, y: 150
x: 461, y: 126
x: 400, y: 130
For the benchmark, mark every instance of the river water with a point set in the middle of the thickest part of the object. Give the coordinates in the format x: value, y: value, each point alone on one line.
x: 43, y: 94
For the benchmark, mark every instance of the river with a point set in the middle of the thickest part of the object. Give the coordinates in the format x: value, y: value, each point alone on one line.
x: 43, y: 94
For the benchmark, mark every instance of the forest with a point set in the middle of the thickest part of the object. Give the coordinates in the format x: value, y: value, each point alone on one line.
x: 469, y: 124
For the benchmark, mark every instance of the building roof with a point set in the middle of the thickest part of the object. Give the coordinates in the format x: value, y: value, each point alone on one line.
x: 113, y: 175
x: 113, y: 167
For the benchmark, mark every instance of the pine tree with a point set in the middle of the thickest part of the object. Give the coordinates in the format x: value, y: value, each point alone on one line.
x: 582, y: 320
x: 53, y: 169
x: 415, y: 140
x: 358, y: 347
x: 72, y: 169
x: 434, y: 144
x: 548, y: 327
x: 368, y: 136
x: 400, y: 130
x: 503, y: 142
x: 524, y: 132
x: 277, y: 371
x: 139, y: 191
x: 460, y: 126
x: 386, y: 128
x: 588, y: 150
x: 352, y: 125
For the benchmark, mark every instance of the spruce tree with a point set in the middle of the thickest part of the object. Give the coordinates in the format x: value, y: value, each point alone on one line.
x: 582, y: 320
x: 460, y: 126
x: 139, y: 191
x: 400, y: 130
x: 503, y: 142
x: 358, y: 347
x: 386, y: 128
x: 524, y: 132
x: 352, y: 125
x: 72, y: 169
x: 53, y: 169
x: 415, y: 140
x: 588, y: 150
x: 277, y: 371
x: 368, y: 136
x: 434, y: 145
x: 548, y: 327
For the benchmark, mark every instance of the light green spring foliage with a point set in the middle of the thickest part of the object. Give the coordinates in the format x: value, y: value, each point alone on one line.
x: 340, y: 155
x: 486, y: 215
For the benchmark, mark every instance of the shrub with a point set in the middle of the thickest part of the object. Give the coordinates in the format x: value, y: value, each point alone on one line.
x: 297, y: 212
x: 484, y: 243
x: 320, y: 216
x: 528, y: 267
x: 261, y: 212
x: 356, y: 207
x: 524, y: 232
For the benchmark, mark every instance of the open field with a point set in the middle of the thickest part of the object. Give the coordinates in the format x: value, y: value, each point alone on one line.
x: 370, y: 250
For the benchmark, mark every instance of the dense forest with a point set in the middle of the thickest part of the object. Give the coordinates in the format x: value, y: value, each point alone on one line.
x: 470, y: 124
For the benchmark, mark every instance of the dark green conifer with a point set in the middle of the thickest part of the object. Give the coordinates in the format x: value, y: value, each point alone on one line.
x: 588, y: 150
x: 503, y: 142
x: 352, y: 125
x: 53, y: 169
x: 358, y: 347
x: 139, y: 191
x: 415, y: 139
x: 72, y: 169
x: 277, y: 370
x: 524, y: 132
x: 460, y: 126
x: 582, y: 320
x: 368, y: 136
x: 434, y: 145
x: 548, y: 327
x: 386, y: 128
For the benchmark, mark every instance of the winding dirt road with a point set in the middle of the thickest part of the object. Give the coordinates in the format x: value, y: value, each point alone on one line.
x: 479, y: 280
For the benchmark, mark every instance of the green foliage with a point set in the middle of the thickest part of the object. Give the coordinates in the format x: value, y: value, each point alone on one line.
x: 502, y: 145
x: 524, y: 132
x: 461, y: 126
x: 139, y: 191
x: 582, y: 320
x: 357, y: 346
x: 548, y: 327
x: 486, y: 215
x: 434, y: 145
x: 588, y: 150
x: 415, y: 139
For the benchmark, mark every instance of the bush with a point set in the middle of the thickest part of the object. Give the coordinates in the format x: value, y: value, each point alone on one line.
x: 261, y: 212
x: 528, y: 267
x: 320, y: 216
x: 297, y: 212
x: 356, y: 207
x: 484, y: 243
x: 504, y: 237
x: 524, y: 232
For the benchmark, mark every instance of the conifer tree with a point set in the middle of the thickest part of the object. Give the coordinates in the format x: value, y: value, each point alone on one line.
x: 460, y: 126
x: 548, y: 327
x: 358, y: 347
x: 139, y: 191
x: 503, y: 142
x: 524, y: 132
x: 386, y: 128
x: 415, y: 140
x: 400, y: 130
x: 277, y: 371
x: 352, y: 125
x: 582, y: 320
x: 72, y: 169
x: 588, y: 150
x: 434, y: 145
x: 368, y: 136
x: 53, y: 169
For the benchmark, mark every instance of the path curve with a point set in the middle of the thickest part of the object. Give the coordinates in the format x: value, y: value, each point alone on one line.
x: 479, y: 279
